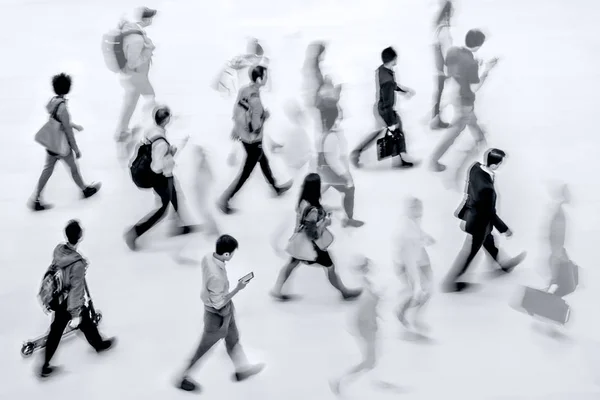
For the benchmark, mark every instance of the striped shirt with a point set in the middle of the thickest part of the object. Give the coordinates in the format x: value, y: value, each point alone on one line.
x: 215, y: 284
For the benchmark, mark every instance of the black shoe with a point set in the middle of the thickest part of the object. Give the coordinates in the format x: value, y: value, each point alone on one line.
x: 225, y: 208
x: 106, y: 345
x: 184, y: 230
x: 403, y: 164
x: 353, y: 223
x: 91, y: 190
x: 282, y: 297
x: 456, y: 287
x: 188, y: 385
x: 47, y: 370
x: 513, y: 262
x: 131, y: 238
x: 279, y: 190
x: 37, y: 205
x: 248, y: 372
x: 351, y: 294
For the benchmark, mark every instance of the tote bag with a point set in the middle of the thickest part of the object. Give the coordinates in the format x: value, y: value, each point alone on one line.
x: 52, y: 137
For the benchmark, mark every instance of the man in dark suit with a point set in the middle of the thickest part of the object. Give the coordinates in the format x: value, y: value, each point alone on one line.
x: 479, y: 215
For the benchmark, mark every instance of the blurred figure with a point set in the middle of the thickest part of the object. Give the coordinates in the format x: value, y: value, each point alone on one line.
x: 138, y: 50
x: 387, y: 118
x: 333, y: 164
x: 479, y: 215
x: 162, y: 181
x: 203, y: 184
x: 412, y: 263
x: 238, y: 70
x: 57, y: 109
x: 312, y: 80
x: 365, y: 326
x: 463, y: 68
x: 249, y: 118
x: 442, y: 43
x: 311, y: 240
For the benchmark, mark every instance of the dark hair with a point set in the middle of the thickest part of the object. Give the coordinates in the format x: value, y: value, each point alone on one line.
x: 474, y: 38
x: 494, y: 157
x: 311, y: 190
x: 258, y: 72
x: 61, y: 84
x: 161, y: 114
x: 226, y: 244
x: 445, y: 13
x: 388, y: 55
x: 73, y: 231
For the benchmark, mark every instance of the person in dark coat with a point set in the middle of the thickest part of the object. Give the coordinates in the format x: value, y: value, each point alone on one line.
x: 479, y: 215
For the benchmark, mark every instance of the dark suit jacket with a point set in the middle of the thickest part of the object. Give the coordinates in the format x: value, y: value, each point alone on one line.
x: 479, y: 208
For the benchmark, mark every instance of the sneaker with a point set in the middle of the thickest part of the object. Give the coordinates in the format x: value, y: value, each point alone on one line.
x: 106, y: 345
x: 437, y: 167
x: 282, y: 297
x: 248, y: 372
x: 37, y: 205
x: 91, y: 190
x: 47, y: 370
x: 437, y: 124
x: 513, y: 262
x: 353, y: 223
x: 279, y: 190
x: 131, y: 238
x: 225, y: 208
x: 188, y: 385
x: 184, y: 230
x: 456, y: 287
x: 351, y: 294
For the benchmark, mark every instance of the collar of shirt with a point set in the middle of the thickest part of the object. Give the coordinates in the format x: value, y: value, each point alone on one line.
x: 489, y: 172
x: 218, y: 263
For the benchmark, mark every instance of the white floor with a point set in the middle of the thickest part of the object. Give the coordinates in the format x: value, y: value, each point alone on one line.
x: 538, y: 105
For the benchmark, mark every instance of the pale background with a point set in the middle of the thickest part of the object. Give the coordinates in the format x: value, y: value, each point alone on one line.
x: 538, y: 105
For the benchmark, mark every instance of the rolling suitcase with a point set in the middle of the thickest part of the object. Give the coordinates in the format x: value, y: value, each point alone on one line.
x: 546, y: 305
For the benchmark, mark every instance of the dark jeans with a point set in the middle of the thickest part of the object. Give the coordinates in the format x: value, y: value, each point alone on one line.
x: 165, y: 189
x: 471, y: 247
x: 217, y: 326
x: 254, y: 155
x: 59, y: 324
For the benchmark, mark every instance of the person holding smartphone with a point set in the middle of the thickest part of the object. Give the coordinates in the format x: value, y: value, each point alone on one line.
x: 219, y: 314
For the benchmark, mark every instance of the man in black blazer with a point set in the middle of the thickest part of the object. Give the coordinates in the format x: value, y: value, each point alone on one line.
x: 479, y: 215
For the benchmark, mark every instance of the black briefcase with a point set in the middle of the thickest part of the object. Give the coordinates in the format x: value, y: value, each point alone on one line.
x: 391, y: 144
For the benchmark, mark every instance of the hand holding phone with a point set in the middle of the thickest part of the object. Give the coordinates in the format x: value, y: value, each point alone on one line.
x: 246, y: 278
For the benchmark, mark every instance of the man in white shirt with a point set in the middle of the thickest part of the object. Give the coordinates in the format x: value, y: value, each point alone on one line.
x: 138, y: 49
x: 219, y: 315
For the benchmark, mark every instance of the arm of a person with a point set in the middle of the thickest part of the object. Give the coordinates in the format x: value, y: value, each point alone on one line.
x: 445, y: 39
x: 256, y: 121
x: 216, y: 293
x: 486, y: 208
x: 65, y: 120
x: 388, y: 93
x: 76, y: 297
x: 136, y: 52
x: 311, y: 224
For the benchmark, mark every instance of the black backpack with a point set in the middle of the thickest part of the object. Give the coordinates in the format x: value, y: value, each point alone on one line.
x: 141, y: 172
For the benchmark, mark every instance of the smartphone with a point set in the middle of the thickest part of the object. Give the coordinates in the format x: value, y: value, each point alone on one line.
x: 247, y: 278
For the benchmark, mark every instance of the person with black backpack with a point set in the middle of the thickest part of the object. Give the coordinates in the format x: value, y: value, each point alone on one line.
x: 153, y: 169
x: 63, y: 292
x: 249, y: 116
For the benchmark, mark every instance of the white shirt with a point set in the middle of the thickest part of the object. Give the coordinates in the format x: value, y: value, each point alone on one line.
x: 215, y: 283
x: 162, y: 159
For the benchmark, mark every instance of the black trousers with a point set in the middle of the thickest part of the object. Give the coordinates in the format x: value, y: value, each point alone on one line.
x: 166, y: 190
x: 61, y: 319
x: 471, y: 247
x: 254, y: 155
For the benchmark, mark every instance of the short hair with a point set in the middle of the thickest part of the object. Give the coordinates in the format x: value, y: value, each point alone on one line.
x: 226, y: 244
x: 494, y: 157
x: 161, y: 114
x: 73, y: 231
x: 388, y: 55
x: 474, y: 38
x: 61, y: 84
x: 258, y: 72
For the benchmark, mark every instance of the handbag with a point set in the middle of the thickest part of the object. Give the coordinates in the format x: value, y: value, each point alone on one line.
x: 391, y: 144
x: 52, y: 136
x: 325, y: 240
x: 301, y: 247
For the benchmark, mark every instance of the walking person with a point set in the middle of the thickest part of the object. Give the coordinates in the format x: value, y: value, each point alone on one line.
x: 479, y: 215
x: 249, y: 118
x: 333, y: 165
x: 57, y: 108
x: 412, y: 263
x: 310, y: 241
x: 219, y: 315
x: 441, y: 44
x: 387, y: 118
x: 69, y: 307
x: 138, y: 50
x: 162, y: 180
x: 463, y: 69
x: 238, y: 71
